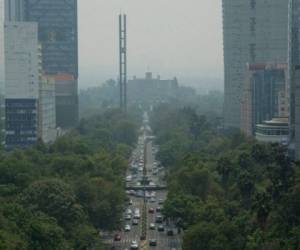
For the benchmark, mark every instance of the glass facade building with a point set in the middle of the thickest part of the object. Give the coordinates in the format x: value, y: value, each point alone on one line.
x: 57, y: 33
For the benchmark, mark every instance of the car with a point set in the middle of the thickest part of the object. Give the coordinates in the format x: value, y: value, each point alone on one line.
x: 130, y: 202
x: 127, y: 228
x: 134, y: 245
x: 160, y: 228
x: 159, y: 219
x: 158, y: 209
x: 152, y: 226
x: 129, y: 178
x: 160, y: 201
x: 170, y: 232
x: 151, y: 184
x: 135, y: 222
x: 128, y: 217
x: 137, y: 216
x: 153, y: 194
x: 152, y: 200
x: 117, y: 237
x: 151, y: 210
x: 153, y: 242
x: 140, y: 193
x: 132, y: 192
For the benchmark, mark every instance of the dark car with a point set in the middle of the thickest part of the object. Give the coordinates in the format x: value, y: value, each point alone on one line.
x: 159, y: 219
x: 117, y: 237
x: 151, y: 210
x: 160, y: 228
x: 153, y: 242
x: 170, y: 232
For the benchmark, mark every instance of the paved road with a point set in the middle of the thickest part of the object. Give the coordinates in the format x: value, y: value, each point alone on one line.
x: 164, y: 242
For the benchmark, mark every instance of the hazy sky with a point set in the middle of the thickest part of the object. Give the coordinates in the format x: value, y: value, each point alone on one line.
x: 180, y: 38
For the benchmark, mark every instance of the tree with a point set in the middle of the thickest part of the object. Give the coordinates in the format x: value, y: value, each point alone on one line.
x: 211, y: 236
x: 54, y: 198
x: 45, y: 234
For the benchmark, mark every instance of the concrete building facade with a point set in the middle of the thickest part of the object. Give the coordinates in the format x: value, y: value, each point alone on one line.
x: 21, y: 78
x: 151, y: 89
x: 273, y: 131
x: 253, y: 32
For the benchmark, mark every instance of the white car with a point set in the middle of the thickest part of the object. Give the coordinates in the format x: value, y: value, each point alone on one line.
x: 151, y: 184
x: 134, y: 245
x: 129, y: 178
x: 127, y: 228
x: 152, y: 226
x: 152, y: 200
x: 129, y: 211
x: 137, y: 216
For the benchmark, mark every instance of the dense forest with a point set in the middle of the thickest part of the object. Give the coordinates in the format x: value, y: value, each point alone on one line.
x: 226, y: 191
x: 59, y: 196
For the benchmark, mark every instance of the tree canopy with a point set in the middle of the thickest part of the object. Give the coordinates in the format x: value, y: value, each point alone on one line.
x: 60, y: 196
x: 226, y: 191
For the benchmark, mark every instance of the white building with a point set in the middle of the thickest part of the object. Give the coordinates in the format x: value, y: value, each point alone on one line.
x: 273, y: 131
x: 254, y: 32
x: 21, y: 76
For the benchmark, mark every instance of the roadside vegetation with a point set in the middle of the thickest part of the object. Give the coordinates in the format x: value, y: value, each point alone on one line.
x: 226, y: 191
x: 59, y: 196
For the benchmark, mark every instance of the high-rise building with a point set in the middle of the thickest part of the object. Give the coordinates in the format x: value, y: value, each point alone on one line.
x: 14, y: 10
x: 254, y: 31
x: 57, y: 33
x: 294, y: 76
x: 265, y: 95
x: 21, y: 78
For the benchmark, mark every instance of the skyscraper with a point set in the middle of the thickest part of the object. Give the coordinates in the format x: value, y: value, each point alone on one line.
x: 57, y: 33
x: 21, y: 77
x: 14, y: 10
x: 294, y: 75
x: 254, y: 32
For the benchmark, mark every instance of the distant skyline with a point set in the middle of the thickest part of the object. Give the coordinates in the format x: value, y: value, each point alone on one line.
x: 168, y: 37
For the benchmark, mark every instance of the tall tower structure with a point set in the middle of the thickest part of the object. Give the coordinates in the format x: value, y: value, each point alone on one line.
x: 254, y: 32
x: 123, y: 61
